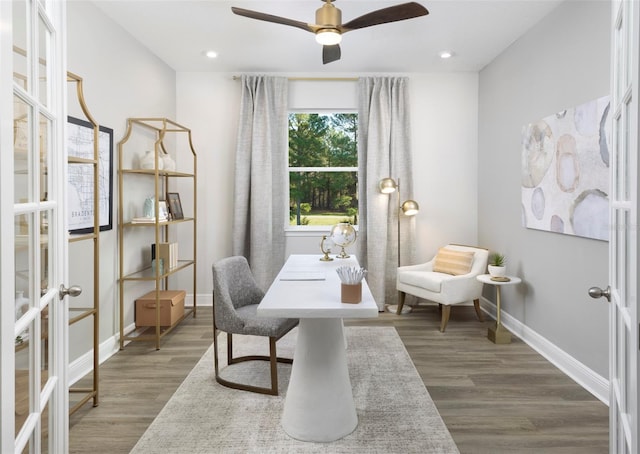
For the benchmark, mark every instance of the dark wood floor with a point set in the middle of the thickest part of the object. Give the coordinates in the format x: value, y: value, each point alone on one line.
x: 493, y: 398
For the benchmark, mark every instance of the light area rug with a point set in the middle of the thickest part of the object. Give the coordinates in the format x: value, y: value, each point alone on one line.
x: 395, y: 412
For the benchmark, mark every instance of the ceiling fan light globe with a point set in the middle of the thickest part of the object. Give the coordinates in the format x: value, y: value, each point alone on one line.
x: 328, y: 37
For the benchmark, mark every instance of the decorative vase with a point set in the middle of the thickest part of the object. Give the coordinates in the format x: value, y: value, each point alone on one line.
x: 149, y: 208
x: 148, y: 161
x: 497, y: 271
x: 168, y: 163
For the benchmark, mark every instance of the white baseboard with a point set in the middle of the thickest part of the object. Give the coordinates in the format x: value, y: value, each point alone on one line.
x: 584, y: 376
x: 203, y: 300
x: 84, y: 364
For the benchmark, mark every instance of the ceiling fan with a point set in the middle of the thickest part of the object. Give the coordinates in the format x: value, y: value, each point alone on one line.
x: 329, y: 27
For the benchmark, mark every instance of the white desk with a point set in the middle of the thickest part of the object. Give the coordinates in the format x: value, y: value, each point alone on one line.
x: 498, y: 334
x: 319, y: 403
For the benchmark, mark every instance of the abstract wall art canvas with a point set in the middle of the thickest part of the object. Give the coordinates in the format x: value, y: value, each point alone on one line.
x: 565, y: 171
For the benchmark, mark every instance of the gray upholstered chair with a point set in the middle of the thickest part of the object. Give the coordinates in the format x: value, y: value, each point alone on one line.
x: 449, y: 278
x: 236, y: 296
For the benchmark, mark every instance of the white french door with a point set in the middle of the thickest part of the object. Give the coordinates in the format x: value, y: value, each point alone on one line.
x: 33, y: 240
x: 623, y: 246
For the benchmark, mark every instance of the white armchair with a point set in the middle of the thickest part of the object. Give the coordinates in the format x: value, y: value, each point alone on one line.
x: 449, y: 278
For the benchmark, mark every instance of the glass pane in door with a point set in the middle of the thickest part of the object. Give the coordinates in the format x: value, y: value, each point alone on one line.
x: 44, y: 429
x: 628, y: 64
x: 46, y: 346
x: 616, y: 158
x: 19, y: 29
x: 45, y: 156
x: 22, y: 347
x: 24, y: 275
x: 21, y: 147
x: 625, y: 153
x: 620, y: 245
x: 44, y: 40
x: 45, y: 239
x: 622, y: 256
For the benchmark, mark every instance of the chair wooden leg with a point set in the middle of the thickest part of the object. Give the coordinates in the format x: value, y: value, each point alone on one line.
x: 401, y: 297
x: 229, y: 349
x: 476, y: 305
x: 215, y: 350
x: 446, y: 310
x: 272, y: 358
x: 274, y: 366
x: 215, y: 340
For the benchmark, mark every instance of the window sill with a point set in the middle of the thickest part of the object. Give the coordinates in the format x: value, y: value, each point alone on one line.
x: 308, y: 231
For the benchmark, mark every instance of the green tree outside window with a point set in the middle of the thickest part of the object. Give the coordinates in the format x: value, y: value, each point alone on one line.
x: 323, y: 161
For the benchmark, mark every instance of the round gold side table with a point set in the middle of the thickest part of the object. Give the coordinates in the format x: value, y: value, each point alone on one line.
x: 498, y: 334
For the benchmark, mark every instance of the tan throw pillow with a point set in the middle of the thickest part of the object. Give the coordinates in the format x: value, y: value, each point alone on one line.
x: 453, y: 262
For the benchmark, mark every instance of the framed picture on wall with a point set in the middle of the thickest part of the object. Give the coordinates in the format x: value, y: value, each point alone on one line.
x: 80, y: 176
x: 175, y: 207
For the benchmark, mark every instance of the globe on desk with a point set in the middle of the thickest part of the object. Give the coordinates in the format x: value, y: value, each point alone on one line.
x: 343, y: 235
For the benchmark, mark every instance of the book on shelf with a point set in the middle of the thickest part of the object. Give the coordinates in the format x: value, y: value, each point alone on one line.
x: 148, y: 220
x: 167, y: 252
x: 173, y: 249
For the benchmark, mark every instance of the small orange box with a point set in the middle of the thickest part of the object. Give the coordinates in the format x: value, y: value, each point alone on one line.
x: 351, y: 293
x: 171, y: 308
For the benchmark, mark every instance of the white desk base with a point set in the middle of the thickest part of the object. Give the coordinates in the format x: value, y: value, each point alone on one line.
x: 319, y: 405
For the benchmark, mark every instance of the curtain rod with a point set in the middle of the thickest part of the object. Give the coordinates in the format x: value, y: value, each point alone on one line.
x: 342, y: 79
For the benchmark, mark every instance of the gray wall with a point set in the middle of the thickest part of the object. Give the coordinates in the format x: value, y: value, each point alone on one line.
x: 444, y: 139
x: 122, y: 79
x: 560, y: 63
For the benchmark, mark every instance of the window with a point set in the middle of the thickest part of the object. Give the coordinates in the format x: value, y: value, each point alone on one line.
x: 323, y: 168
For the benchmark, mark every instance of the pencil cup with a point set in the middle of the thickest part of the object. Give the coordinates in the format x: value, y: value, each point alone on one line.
x: 351, y: 293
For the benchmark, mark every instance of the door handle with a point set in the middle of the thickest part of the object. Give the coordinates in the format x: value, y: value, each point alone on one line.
x: 597, y: 292
x: 74, y: 290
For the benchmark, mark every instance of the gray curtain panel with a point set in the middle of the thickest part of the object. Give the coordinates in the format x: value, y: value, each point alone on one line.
x: 260, y: 195
x: 384, y: 150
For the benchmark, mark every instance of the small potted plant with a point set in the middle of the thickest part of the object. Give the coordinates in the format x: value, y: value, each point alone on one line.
x: 496, y: 265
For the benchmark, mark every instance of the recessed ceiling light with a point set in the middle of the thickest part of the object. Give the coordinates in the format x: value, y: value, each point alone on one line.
x: 211, y: 54
x: 445, y: 54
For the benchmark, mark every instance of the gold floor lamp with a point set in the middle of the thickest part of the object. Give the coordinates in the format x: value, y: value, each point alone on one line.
x: 408, y: 208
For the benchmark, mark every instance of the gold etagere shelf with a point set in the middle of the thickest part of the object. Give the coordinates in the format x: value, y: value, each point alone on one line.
x: 161, y: 128
x: 77, y: 314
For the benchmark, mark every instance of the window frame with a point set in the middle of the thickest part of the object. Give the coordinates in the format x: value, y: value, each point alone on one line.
x: 310, y: 230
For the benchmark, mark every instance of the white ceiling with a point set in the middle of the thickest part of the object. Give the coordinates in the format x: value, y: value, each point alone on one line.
x: 180, y: 31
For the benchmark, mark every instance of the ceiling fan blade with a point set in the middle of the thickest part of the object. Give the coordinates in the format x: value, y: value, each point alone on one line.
x: 271, y: 18
x: 330, y: 53
x: 386, y: 15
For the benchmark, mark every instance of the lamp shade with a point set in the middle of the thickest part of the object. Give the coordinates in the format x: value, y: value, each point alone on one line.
x: 387, y: 185
x: 328, y: 37
x: 410, y: 207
